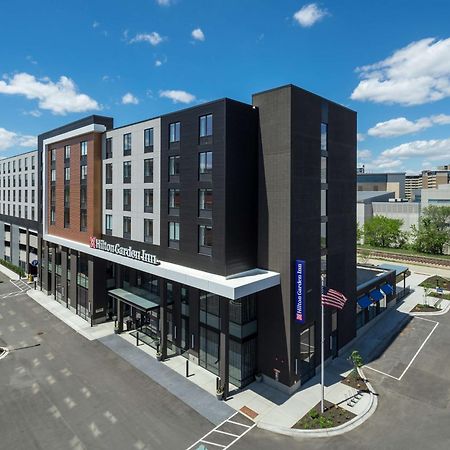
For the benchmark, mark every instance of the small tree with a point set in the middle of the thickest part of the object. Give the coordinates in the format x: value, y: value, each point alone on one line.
x: 359, y: 233
x: 433, y: 231
x: 381, y: 231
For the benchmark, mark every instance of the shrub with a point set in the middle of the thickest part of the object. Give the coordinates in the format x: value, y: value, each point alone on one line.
x: 12, y: 267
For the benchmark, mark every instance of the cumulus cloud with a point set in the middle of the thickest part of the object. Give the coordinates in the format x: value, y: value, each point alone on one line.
x: 158, y: 63
x: 364, y: 154
x: 33, y: 112
x: 61, y: 97
x: 416, y: 74
x: 432, y: 149
x: 164, y: 2
x: 178, y: 96
x: 310, y: 14
x: 9, y: 139
x: 152, y: 38
x: 129, y: 99
x: 360, y: 137
x: 198, y: 34
x: 401, y: 126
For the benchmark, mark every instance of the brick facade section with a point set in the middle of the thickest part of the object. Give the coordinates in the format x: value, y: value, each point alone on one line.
x: 94, y: 188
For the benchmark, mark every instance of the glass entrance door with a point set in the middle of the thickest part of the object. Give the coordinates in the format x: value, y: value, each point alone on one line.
x: 209, y: 350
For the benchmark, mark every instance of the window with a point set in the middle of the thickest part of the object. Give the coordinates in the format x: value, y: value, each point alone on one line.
x: 323, y: 202
x: 32, y: 196
x: 174, y: 132
x: 148, y: 231
x: 66, y: 217
x: 32, y: 213
x: 67, y: 152
x: 174, y: 168
x: 148, y: 170
x: 108, y: 173
x: 324, y: 137
x: 14, y: 196
x: 323, y: 170
x: 108, y: 150
x: 14, y: 167
x: 32, y: 162
x: 52, y: 156
x: 25, y: 165
x: 83, y: 173
x: 148, y: 200
x: 206, y: 126
x: 20, y: 164
x: 20, y: 212
x: 83, y: 148
x: 83, y: 220
x: 53, y: 175
x: 127, y: 227
x: 127, y: 171
x: 205, y: 240
x: 174, y: 202
x: 108, y: 224
x: 66, y: 174
x: 26, y: 212
x: 148, y: 140
x: 20, y: 196
x: 20, y: 181
x: 174, y: 235
x: 127, y: 144
x: 205, y: 203
x: 108, y: 198
x: 83, y: 197
x: 66, y: 196
x: 14, y: 181
x: 127, y: 199
x: 205, y: 165
x: 307, y: 354
x: 323, y: 235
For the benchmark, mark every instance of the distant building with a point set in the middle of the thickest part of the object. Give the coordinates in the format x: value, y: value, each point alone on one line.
x: 412, y: 183
x: 390, y: 182
x: 364, y: 202
x: 428, y: 179
x: 439, y: 196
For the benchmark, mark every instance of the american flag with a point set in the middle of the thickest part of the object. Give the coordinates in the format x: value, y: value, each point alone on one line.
x: 330, y: 297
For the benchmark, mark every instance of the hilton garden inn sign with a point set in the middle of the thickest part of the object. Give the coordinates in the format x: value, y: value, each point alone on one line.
x: 129, y: 252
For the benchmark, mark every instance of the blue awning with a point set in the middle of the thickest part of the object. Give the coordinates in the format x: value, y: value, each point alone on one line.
x: 376, y: 295
x: 387, y: 289
x: 364, y: 301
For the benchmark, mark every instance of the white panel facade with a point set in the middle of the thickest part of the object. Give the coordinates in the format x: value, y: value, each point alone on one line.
x: 137, y: 184
x: 18, y: 186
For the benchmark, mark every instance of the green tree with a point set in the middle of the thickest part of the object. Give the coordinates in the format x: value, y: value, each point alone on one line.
x: 433, y: 230
x: 381, y: 231
x: 359, y: 233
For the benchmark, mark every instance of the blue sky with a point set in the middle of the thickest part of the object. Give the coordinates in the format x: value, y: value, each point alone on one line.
x: 388, y: 60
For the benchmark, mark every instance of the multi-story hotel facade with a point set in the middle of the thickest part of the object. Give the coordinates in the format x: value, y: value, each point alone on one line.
x: 207, y: 230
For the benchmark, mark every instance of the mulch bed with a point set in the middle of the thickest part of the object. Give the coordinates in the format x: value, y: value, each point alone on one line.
x: 332, y: 416
x: 355, y: 382
x: 424, y: 308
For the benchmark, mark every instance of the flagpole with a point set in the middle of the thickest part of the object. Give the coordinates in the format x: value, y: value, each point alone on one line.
x: 322, y: 372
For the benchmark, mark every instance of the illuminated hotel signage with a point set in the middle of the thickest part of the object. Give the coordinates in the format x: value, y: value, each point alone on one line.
x: 299, y: 291
x: 129, y: 252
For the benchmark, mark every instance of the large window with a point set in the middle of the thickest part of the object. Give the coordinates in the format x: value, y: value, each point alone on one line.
x: 174, y: 202
x: 127, y: 227
x: 174, y: 168
x: 127, y: 144
x: 108, y: 198
x: 148, y: 200
x: 205, y: 240
x: 206, y: 123
x: 108, y: 173
x: 66, y: 174
x: 148, y: 170
x: 205, y: 203
x: 174, y: 132
x: 83, y: 220
x: 323, y: 235
x: 127, y: 171
x: 205, y: 165
x: 108, y: 224
x: 148, y: 231
x: 148, y: 140
x: 174, y: 235
x: 83, y: 197
x: 67, y: 152
x: 323, y: 170
x: 83, y: 173
x: 324, y: 137
x: 127, y: 199
x: 307, y: 353
x: 83, y: 148
x: 108, y: 150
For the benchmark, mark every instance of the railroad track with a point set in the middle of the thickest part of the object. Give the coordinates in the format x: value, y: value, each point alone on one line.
x: 426, y: 260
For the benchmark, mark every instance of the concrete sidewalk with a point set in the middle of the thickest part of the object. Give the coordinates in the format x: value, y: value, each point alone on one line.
x: 268, y: 407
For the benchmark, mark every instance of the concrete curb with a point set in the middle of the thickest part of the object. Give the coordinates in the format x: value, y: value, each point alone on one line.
x: 437, y: 313
x: 329, y: 432
x: 9, y: 273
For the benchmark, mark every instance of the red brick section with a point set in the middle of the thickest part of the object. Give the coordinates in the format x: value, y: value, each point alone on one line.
x: 249, y: 412
x: 94, y: 188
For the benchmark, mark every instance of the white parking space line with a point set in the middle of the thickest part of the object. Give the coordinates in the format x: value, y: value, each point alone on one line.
x: 420, y: 348
x: 415, y: 354
x: 206, y: 439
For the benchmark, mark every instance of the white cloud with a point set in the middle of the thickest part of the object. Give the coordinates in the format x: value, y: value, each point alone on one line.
x: 198, y: 34
x: 178, y: 96
x: 61, y: 97
x: 360, y: 137
x: 308, y: 15
x: 95, y: 24
x: 152, y: 38
x: 31, y: 60
x: 158, y: 63
x: 433, y: 149
x: 10, y: 139
x: 401, y: 126
x: 164, y: 2
x: 416, y: 74
x: 364, y: 154
x: 33, y: 112
x: 129, y: 99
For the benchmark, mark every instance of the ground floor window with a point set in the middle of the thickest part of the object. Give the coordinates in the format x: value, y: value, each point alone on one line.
x: 83, y: 303
x: 209, y: 349
x: 307, y: 359
x: 242, y: 361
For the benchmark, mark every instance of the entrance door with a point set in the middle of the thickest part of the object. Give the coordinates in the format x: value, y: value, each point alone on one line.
x: 209, y: 350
